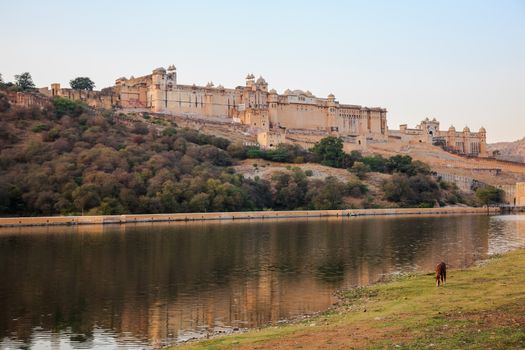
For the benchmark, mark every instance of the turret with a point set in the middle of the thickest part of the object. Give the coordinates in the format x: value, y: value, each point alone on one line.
x: 262, y: 84
x: 482, y: 131
x: 250, y: 80
x: 55, y: 89
x: 466, y: 140
x: 483, y: 142
x: 158, y: 99
x: 172, y: 74
x: 451, y: 136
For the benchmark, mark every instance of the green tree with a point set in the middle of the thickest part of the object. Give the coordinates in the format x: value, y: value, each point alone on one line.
x: 237, y: 150
x: 489, y: 195
x: 329, y: 195
x: 330, y: 151
x: 199, y: 203
x: 376, y: 163
x: 419, y: 190
x: 82, y: 83
x: 24, y: 81
x: 64, y: 106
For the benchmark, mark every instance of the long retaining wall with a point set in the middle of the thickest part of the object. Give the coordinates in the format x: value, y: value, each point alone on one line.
x: 127, y: 219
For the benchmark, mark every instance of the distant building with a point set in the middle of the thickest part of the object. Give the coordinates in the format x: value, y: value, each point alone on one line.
x: 462, y: 142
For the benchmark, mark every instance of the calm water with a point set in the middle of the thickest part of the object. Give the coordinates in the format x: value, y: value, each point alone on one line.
x: 147, y: 285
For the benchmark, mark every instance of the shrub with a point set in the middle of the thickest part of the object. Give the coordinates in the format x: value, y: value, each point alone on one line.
x: 360, y: 169
x: 40, y: 127
x: 489, y: 195
x: 65, y: 106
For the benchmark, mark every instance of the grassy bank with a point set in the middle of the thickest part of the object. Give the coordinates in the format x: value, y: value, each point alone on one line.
x: 480, y: 308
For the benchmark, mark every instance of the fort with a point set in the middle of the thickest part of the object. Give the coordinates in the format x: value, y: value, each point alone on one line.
x: 294, y: 116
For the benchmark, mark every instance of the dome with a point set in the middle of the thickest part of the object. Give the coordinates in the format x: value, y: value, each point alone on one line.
x: 331, y: 96
x: 273, y: 91
x: 466, y: 129
x: 220, y: 87
x: 261, y: 80
x: 210, y: 84
x: 159, y: 70
x: 452, y: 128
x: 482, y: 129
x: 287, y: 92
x: 171, y: 67
x: 250, y: 76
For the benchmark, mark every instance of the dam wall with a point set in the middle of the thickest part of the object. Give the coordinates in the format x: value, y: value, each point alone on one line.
x: 136, y: 218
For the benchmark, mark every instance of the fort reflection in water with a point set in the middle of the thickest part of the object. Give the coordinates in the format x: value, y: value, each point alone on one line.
x: 147, y: 284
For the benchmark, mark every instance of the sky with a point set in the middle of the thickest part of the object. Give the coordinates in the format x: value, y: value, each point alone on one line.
x: 461, y: 62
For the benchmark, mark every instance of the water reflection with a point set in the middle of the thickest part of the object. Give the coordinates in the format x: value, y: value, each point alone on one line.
x: 85, y: 287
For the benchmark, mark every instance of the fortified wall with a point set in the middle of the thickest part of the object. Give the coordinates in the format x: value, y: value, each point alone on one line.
x: 275, y: 118
x: 251, y: 104
x: 461, y: 142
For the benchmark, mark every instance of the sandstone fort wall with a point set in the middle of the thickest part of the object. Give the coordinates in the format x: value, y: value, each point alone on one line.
x: 127, y: 219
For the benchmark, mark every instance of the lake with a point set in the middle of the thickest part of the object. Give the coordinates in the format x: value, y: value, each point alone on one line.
x: 146, y: 285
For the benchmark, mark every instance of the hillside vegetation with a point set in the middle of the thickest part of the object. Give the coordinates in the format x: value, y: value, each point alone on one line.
x: 67, y: 159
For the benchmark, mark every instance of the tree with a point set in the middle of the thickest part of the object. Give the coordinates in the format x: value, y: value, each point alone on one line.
x: 376, y: 163
x: 64, y: 106
x: 24, y: 81
x: 82, y: 83
x: 329, y: 195
x: 360, y: 169
x: 489, y: 195
x: 330, y: 150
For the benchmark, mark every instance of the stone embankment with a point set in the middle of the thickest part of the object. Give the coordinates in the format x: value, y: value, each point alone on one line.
x: 127, y: 219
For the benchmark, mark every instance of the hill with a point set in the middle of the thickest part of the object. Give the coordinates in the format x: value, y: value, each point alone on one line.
x: 68, y: 159
x: 513, y: 151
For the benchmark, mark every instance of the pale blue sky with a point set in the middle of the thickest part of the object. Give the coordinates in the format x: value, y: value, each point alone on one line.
x: 462, y: 62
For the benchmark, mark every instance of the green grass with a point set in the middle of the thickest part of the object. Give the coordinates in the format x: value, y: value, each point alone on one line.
x: 479, y: 308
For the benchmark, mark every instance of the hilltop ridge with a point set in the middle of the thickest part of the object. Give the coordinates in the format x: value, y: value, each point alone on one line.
x: 513, y: 151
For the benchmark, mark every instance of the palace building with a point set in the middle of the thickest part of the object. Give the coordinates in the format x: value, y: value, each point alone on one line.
x: 270, y: 115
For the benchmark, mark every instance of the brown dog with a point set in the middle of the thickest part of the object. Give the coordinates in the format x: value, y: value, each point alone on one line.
x: 441, y: 273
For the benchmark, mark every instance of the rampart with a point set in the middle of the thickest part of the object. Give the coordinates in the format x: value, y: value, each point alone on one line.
x: 130, y: 219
